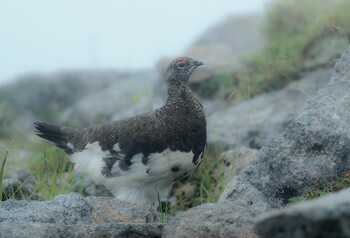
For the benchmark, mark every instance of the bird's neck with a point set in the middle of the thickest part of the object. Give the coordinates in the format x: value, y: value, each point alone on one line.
x: 181, y: 100
x: 179, y: 93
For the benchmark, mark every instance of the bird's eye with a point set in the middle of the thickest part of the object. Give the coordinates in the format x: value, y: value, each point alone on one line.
x: 181, y: 65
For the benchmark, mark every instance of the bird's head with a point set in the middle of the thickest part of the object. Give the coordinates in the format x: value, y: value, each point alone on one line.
x: 180, y: 69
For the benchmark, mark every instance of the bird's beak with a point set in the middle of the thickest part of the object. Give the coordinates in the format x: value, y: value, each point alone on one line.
x: 198, y: 63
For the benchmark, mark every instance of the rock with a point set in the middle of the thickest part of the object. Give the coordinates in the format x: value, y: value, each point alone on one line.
x: 121, y: 230
x: 15, y: 189
x: 222, y: 46
x: 74, y: 216
x: 83, y: 184
x: 218, y: 60
x: 315, y: 147
x: 73, y: 209
x: 210, y: 220
x: 326, y: 217
x: 27, y: 179
x: 242, y: 33
x: 252, y: 123
x: 122, y: 95
x: 236, y: 161
x: 232, y: 216
x: 46, y: 95
x: 341, y: 69
x: 324, y: 48
x: 104, y: 210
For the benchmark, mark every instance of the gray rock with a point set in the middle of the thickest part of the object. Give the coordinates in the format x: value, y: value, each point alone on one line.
x: 324, y: 48
x: 315, y: 147
x: 64, y: 209
x: 105, y: 210
x: 126, y: 92
x: 45, y: 95
x: 233, y: 216
x: 74, y: 209
x: 341, y: 69
x: 242, y: 33
x: 83, y: 184
x: 252, y: 123
x: 137, y: 230
x: 211, y: 220
x: 222, y: 46
x: 326, y: 217
x: 15, y: 189
x: 236, y: 161
x: 28, y: 180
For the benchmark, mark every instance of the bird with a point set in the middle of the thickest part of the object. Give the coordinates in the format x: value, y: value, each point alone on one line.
x: 139, y: 158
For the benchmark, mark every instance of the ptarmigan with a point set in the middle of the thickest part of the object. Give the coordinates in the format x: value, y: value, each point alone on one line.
x: 139, y: 158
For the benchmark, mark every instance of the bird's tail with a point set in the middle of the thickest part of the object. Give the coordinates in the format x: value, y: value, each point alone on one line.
x: 53, y: 133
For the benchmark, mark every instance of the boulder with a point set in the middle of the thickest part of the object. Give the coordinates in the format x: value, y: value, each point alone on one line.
x: 74, y: 209
x: 118, y: 230
x: 38, y: 96
x: 72, y: 215
x: 124, y: 94
x: 236, y: 161
x: 15, y: 189
x: 230, y: 217
x: 326, y: 217
x: 252, y: 123
x: 222, y: 46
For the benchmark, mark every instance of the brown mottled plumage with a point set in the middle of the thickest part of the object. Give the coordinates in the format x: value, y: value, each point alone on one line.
x: 145, y: 152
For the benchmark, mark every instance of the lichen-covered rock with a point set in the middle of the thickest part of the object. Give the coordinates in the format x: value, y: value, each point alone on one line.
x: 75, y: 209
x: 75, y: 216
x: 118, y: 230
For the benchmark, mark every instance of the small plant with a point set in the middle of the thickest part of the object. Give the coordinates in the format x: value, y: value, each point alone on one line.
x: 204, y: 186
x: 2, y: 174
x: 53, y: 172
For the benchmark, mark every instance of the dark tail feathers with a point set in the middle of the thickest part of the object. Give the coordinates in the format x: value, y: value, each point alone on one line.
x: 54, y: 134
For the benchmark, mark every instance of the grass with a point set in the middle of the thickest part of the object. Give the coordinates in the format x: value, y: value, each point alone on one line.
x: 205, y: 185
x: 53, y: 171
x: 48, y: 166
x: 2, y: 174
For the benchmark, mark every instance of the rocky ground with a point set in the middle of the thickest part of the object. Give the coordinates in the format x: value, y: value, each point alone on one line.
x: 279, y: 146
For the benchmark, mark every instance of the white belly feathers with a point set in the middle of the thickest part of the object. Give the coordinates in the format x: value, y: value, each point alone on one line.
x: 141, y: 182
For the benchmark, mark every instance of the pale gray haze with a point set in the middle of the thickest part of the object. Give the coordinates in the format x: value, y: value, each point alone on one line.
x: 48, y: 35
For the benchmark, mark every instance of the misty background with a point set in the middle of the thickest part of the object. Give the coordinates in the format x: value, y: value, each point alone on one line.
x: 44, y: 36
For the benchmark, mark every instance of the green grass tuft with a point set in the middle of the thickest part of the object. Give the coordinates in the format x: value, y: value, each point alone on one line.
x: 2, y: 174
